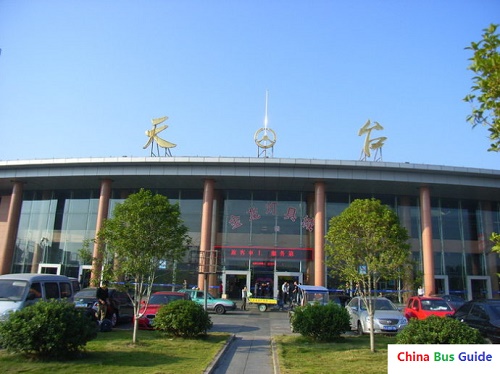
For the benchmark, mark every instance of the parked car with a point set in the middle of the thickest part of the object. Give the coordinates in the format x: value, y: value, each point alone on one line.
x: 18, y: 291
x: 156, y: 301
x: 483, y: 315
x: 75, y: 284
x: 455, y: 301
x: 387, y: 318
x: 312, y: 295
x: 421, y: 307
x: 219, y: 306
x: 119, y: 310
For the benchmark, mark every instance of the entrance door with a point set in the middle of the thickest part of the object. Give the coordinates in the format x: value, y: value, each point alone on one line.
x: 479, y: 287
x: 84, y: 274
x: 441, y: 286
x: 233, y: 282
x: 49, y: 268
x: 281, y: 277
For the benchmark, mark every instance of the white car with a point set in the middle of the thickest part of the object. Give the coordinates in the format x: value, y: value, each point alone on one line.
x: 387, y: 319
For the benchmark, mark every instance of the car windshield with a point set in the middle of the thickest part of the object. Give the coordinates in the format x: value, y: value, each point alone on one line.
x: 85, y: 294
x: 12, y: 289
x: 495, y: 308
x: 164, y: 299
x: 380, y: 304
x: 435, y: 305
x: 320, y: 298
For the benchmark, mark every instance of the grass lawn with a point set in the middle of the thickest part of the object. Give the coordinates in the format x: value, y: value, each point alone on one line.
x: 351, y: 355
x: 113, y: 353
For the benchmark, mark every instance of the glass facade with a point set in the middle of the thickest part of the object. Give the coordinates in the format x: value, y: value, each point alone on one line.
x: 264, y: 233
x: 54, y: 225
x: 460, y: 230
x: 52, y: 228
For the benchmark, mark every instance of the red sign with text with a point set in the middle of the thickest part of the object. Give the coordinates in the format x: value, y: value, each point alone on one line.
x: 265, y: 253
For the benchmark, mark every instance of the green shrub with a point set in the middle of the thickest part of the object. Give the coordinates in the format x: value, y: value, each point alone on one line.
x: 320, y: 322
x: 47, y: 329
x: 184, y: 318
x: 438, y: 330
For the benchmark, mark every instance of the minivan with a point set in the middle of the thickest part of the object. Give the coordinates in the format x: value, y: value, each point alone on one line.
x: 21, y: 290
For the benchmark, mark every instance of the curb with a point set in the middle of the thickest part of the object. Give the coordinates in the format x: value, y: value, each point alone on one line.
x: 274, y: 353
x: 211, y: 367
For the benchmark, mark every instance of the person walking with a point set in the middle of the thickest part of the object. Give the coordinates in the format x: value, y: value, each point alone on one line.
x: 244, y: 296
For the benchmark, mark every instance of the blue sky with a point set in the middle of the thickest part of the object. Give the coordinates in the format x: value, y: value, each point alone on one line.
x: 85, y: 78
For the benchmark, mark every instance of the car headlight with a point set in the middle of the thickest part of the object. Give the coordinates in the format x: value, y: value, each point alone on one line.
x: 6, y: 313
x: 404, y: 321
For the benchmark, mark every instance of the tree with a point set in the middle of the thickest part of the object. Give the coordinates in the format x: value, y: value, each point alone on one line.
x: 495, y: 238
x: 365, y: 244
x: 146, y: 231
x: 485, y: 92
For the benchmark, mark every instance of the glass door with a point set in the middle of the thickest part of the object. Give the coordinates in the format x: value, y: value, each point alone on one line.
x: 233, y: 282
x: 44, y: 268
x: 281, y: 277
x: 479, y: 287
x: 84, y: 274
x: 441, y: 286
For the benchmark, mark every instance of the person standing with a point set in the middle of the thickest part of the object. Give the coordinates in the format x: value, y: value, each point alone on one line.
x: 102, y: 295
x: 421, y: 291
x: 244, y: 296
x: 285, y: 289
x: 294, y: 292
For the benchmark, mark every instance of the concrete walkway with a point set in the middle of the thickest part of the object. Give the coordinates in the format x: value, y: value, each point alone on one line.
x: 250, y: 350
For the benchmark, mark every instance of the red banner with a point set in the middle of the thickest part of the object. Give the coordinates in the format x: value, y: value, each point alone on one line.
x: 265, y: 253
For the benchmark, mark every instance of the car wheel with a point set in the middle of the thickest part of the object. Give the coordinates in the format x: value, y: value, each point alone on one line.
x: 262, y: 307
x: 219, y: 309
x: 360, y: 328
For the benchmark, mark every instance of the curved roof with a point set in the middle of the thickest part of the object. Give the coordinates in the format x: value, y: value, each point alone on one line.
x: 251, y: 173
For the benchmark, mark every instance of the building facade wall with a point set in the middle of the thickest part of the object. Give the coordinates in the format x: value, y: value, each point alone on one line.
x: 265, y: 224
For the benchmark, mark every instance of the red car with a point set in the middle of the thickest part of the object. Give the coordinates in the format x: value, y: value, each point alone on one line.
x: 156, y: 301
x: 421, y: 307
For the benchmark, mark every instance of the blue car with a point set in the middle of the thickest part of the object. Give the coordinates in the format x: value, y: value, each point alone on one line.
x: 219, y: 306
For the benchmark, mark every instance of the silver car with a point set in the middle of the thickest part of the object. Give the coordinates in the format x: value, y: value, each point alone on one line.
x: 387, y: 318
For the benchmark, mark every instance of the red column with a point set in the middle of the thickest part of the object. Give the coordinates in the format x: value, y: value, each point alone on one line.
x: 7, y: 253
x: 319, y: 234
x: 102, y: 214
x: 428, y: 252
x: 206, y: 230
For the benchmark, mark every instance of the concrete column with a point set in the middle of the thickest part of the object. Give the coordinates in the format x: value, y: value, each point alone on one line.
x: 206, y: 231
x: 428, y: 252
x: 213, y: 279
x: 13, y: 215
x: 102, y: 214
x: 319, y: 234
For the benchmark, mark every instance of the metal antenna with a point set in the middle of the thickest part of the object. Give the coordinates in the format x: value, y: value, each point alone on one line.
x: 262, y: 138
x: 265, y: 116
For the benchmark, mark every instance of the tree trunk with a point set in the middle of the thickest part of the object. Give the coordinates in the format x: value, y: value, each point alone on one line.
x: 136, y: 327
x: 372, y: 337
